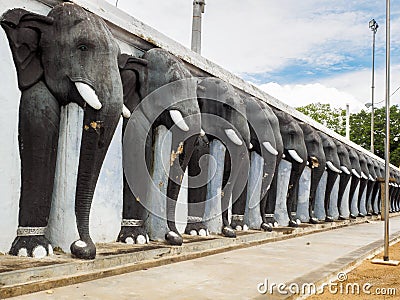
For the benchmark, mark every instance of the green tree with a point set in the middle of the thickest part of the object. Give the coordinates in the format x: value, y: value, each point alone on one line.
x: 360, y: 126
x: 333, y: 118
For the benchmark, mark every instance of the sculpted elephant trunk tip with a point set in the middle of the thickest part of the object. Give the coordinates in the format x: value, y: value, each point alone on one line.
x: 293, y: 153
x: 88, y: 94
x: 125, y: 112
x: 344, y: 169
x: 332, y: 167
x: 270, y: 149
x: 231, y: 134
x: 176, y: 116
x: 355, y: 173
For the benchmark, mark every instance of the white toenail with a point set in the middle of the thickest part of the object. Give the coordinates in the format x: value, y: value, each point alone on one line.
x: 245, y: 227
x: 39, y: 252
x: 129, y: 240
x: 298, y: 222
x: 193, y: 232
x: 23, y: 252
x: 147, y: 239
x: 270, y: 225
x: 202, y: 232
x: 238, y: 227
x: 173, y: 234
x: 141, y: 240
x: 51, y: 250
x: 208, y: 232
x: 276, y: 224
x: 80, y: 244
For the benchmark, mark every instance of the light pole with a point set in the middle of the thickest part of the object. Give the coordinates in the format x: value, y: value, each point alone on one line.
x: 198, y: 9
x: 373, y: 25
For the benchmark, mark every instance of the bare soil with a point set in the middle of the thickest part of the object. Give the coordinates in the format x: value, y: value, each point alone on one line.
x: 374, y: 281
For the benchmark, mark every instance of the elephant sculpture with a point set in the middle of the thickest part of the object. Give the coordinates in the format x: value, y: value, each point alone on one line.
x: 158, y: 90
x: 295, y: 152
x: 363, y: 183
x: 263, y: 143
x: 333, y: 169
x: 57, y: 60
x: 356, y: 175
x: 345, y: 176
x: 370, y: 184
x: 316, y: 160
x: 223, y: 117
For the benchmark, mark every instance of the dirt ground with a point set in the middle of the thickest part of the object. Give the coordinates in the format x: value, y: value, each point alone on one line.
x: 374, y: 281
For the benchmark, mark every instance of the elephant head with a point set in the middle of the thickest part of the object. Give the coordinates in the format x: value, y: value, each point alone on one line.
x: 158, y: 90
x: 316, y: 160
x: 295, y: 151
x: 333, y: 168
x: 345, y: 166
x: 223, y: 117
x: 57, y: 60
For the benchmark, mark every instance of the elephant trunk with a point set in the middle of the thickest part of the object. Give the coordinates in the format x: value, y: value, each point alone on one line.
x: 97, y: 132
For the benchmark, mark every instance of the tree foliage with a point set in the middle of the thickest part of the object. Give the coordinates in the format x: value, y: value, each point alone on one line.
x: 360, y: 126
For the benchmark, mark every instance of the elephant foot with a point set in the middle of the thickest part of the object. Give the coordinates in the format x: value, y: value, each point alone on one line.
x: 369, y: 214
x: 353, y: 216
x: 173, y: 238
x: 328, y: 219
x: 36, y: 246
x: 314, y: 221
x: 270, y: 219
x: 293, y: 223
x: 133, y: 235
x: 227, y: 231
x: 361, y: 215
x: 83, y: 249
x: 375, y: 214
x: 342, y: 218
x: 238, y: 223
x: 266, y: 227
x: 197, y: 228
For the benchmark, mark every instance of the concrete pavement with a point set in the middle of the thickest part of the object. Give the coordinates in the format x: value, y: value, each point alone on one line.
x: 236, y: 274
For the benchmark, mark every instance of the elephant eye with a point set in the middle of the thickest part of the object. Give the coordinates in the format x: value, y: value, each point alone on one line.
x: 83, y: 47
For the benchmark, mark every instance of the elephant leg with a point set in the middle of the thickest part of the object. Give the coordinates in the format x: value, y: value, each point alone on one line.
x: 180, y: 157
x: 363, y: 184
x: 291, y: 198
x: 133, y: 212
x: 98, y: 129
x: 39, y: 117
x: 316, y: 175
x: 270, y: 200
x: 344, y: 181
x: 197, y: 191
x: 329, y: 186
x: 353, y: 186
x: 238, y: 209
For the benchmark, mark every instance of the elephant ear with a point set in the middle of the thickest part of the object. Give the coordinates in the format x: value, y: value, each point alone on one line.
x: 134, y: 76
x: 24, y: 30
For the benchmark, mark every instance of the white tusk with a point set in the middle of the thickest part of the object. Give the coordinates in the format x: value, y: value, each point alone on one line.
x: 363, y: 175
x: 251, y: 146
x: 88, y: 94
x: 371, y: 178
x: 355, y: 173
x: 125, y: 112
x: 270, y: 149
x: 176, y: 116
x: 344, y: 169
x: 332, y: 167
x: 233, y: 136
x: 283, y: 155
x: 295, y: 156
x: 202, y: 132
x: 307, y: 163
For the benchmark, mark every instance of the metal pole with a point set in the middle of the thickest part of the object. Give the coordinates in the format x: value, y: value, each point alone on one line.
x: 198, y: 9
x: 372, y: 91
x: 387, y: 144
x: 347, y: 121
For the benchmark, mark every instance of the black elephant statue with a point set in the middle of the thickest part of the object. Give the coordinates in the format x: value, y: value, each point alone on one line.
x: 262, y: 139
x: 57, y: 60
x: 333, y: 169
x: 295, y: 152
x: 345, y: 176
x: 158, y: 90
x: 223, y: 118
x: 316, y: 160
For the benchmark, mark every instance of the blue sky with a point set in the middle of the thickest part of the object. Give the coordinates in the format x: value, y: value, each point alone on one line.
x: 298, y: 51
